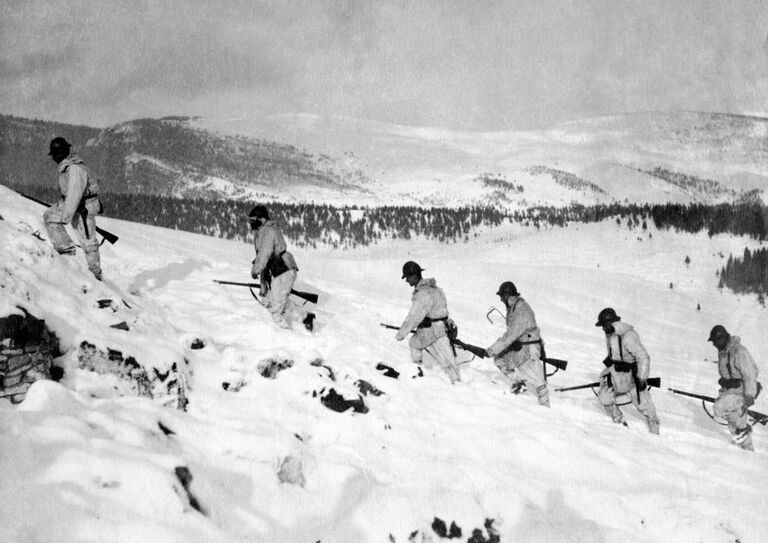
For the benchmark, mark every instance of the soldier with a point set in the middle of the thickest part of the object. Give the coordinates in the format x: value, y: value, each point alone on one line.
x: 276, y: 268
x: 738, y: 384
x: 626, y: 370
x: 429, y: 316
x: 517, y: 353
x: 78, y: 206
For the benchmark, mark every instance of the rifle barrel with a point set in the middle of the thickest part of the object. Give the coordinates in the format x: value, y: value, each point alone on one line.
x: 578, y: 387
x: 692, y: 395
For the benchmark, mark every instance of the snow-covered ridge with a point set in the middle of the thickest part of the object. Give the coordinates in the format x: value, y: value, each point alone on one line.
x: 265, y: 460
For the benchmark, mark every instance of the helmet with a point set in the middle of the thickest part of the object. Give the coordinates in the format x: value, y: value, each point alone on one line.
x: 259, y: 212
x: 506, y: 289
x: 718, y: 331
x: 607, y: 316
x: 59, y: 145
x: 411, y: 268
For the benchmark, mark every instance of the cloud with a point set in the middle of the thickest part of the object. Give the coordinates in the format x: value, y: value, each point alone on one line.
x: 443, y: 63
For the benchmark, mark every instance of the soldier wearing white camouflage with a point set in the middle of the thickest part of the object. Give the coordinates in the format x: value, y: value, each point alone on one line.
x: 738, y: 384
x: 276, y: 268
x: 429, y: 317
x: 626, y: 370
x: 78, y: 206
x: 517, y: 353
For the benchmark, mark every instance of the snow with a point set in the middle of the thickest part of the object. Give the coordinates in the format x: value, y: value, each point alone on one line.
x: 77, y: 465
x: 431, y: 166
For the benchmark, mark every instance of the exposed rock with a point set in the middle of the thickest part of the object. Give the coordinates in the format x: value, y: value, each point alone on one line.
x: 197, y: 344
x: 270, y: 367
x: 336, y: 402
x: 185, y: 478
x: 387, y: 370
x: 291, y: 471
x: 366, y: 388
x: 169, y: 388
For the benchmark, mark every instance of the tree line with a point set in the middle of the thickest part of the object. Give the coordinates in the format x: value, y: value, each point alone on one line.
x: 312, y: 224
x: 747, y: 274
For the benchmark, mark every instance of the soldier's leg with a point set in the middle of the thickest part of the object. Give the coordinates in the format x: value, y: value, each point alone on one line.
x: 644, y: 403
x: 57, y: 233
x: 731, y: 408
x: 533, y: 374
x: 278, y: 296
x: 442, y: 352
x: 607, y: 398
x: 86, y: 233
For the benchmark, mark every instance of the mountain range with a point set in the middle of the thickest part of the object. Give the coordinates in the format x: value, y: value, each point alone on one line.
x: 654, y: 157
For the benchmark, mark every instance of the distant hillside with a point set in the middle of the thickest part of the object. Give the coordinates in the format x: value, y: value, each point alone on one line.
x: 652, y: 157
x: 171, y: 157
x: 24, y: 147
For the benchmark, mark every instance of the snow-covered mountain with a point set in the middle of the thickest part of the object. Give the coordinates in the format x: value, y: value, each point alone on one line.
x: 646, y: 157
x: 257, y: 456
x: 616, y: 154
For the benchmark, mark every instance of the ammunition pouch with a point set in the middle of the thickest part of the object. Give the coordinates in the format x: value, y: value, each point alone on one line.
x: 624, y: 367
x: 729, y: 383
x: 451, y: 330
x: 276, y: 265
x: 427, y: 322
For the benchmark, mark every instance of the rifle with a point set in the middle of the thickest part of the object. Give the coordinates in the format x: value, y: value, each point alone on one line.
x: 393, y: 327
x: 652, y: 382
x: 109, y: 236
x: 308, y: 296
x: 758, y: 417
x: 482, y: 353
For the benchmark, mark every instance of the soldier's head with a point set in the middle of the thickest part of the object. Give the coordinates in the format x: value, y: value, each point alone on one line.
x: 412, y: 273
x: 258, y: 216
x: 59, y: 149
x: 606, y: 318
x: 719, y: 336
x: 507, y: 289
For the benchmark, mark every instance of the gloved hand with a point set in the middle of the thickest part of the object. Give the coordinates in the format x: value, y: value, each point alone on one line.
x: 399, y: 337
x: 607, y: 362
x: 642, y: 384
x: 749, y: 401
x: 263, y: 289
x: 516, y: 346
x: 721, y: 382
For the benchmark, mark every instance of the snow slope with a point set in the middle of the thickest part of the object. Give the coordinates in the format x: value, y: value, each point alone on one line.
x: 77, y: 466
x: 431, y: 166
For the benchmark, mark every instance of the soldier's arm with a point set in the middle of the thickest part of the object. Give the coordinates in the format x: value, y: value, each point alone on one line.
x: 748, y: 370
x: 265, y: 242
x: 636, y: 349
x: 517, y: 326
x: 419, y: 310
x: 77, y: 181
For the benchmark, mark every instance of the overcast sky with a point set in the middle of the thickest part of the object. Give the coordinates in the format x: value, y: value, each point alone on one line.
x: 478, y: 65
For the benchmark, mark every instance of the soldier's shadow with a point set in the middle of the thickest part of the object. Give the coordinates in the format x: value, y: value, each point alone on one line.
x: 556, y: 522
x: 160, y: 277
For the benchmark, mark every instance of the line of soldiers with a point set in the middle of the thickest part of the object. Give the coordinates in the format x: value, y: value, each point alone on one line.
x: 519, y: 351
x: 80, y: 203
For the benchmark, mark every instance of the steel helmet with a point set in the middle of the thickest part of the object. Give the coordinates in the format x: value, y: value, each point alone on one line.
x: 259, y: 212
x: 411, y: 268
x: 506, y: 289
x: 607, y: 316
x: 718, y: 331
x: 59, y: 145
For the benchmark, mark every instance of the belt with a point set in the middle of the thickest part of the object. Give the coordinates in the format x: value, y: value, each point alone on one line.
x: 621, y: 366
x: 427, y: 322
x: 729, y: 383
